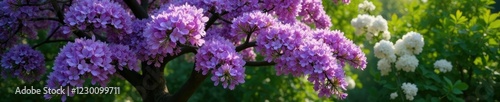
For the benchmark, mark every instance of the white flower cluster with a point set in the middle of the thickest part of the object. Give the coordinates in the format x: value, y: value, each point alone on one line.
x: 384, y: 66
x: 366, y: 7
x: 410, y: 90
x: 412, y: 43
x: 443, y: 65
x: 394, y: 95
x: 385, y: 51
x: 371, y: 26
x: 407, y: 63
x: 407, y: 47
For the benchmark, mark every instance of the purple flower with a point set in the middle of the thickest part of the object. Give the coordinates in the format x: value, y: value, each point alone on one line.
x: 85, y: 58
x: 250, y: 23
x: 313, y: 13
x: 278, y: 39
x: 219, y: 57
x: 105, y: 17
x: 23, y: 62
x: 286, y: 10
x: 16, y: 20
x: 175, y: 25
x: 320, y: 54
x: 124, y: 57
x: 343, y: 49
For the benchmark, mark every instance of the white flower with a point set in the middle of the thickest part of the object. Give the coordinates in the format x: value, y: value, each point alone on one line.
x: 384, y: 66
x: 413, y: 42
x: 385, y: 49
x: 407, y: 63
x: 351, y: 82
x: 443, y: 65
x: 366, y: 7
x: 394, y: 95
x: 361, y: 22
x: 400, y: 48
x: 386, y: 35
x: 410, y: 90
x: 378, y: 25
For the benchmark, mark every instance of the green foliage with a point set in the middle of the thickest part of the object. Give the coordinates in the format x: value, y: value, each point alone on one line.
x: 463, y: 32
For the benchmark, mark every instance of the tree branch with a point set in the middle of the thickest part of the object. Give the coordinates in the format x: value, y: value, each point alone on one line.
x: 48, y: 37
x: 19, y: 27
x: 145, y: 5
x: 194, y: 81
x: 137, y: 9
x: 245, y: 45
x: 48, y: 18
x: 58, y: 10
x: 152, y: 85
x: 211, y: 20
x: 132, y: 77
x: 50, y: 41
x: 260, y: 63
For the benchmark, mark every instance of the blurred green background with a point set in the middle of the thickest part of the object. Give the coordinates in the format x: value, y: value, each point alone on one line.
x: 469, y: 41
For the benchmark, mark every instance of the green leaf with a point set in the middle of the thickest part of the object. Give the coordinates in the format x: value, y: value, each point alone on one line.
x: 434, y: 99
x: 435, y: 77
x: 495, y: 24
x: 492, y: 17
x: 458, y: 18
x: 458, y: 100
x: 431, y: 87
x: 389, y: 86
x: 457, y: 91
x: 394, y: 17
x: 448, y: 81
x: 461, y: 86
x: 459, y: 14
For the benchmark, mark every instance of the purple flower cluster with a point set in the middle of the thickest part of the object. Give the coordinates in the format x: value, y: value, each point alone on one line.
x: 182, y: 24
x: 124, y: 57
x: 286, y: 10
x: 327, y: 85
x: 248, y: 54
x: 88, y: 58
x: 17, y: 19
x: 313, y: 13
x: 320, y: 54
x: 98, y: 16
x: 311, y: 57
x: 232, y: 7
x: 84, y: 57
x: 250, y: 23
x: 219, y: 57
x: 343, y: 49
x: 23, y: 62
x: 279, y: 39
x: 79, y: 60
x: 223, y: 30
x: 136, y: 41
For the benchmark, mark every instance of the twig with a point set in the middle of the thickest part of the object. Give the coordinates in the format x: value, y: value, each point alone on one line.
x: 137, y: 9
x: 260, y: 63
x: 245, y: 45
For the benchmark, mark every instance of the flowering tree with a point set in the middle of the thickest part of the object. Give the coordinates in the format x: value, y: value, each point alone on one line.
x: 136, y: 39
